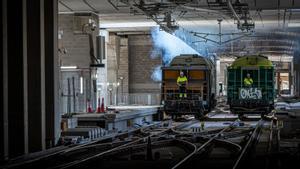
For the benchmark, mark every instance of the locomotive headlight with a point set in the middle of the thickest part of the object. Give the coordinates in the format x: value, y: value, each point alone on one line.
x: 163, y: 102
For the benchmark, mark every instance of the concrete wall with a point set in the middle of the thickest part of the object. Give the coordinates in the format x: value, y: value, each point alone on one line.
x: 74, y: 50
x: 128, y: 56
x: 75, y: 42
x: 141, y: 65
x: 70, y: 103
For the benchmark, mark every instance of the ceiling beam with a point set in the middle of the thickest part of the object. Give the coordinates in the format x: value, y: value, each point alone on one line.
x: 66, y: 6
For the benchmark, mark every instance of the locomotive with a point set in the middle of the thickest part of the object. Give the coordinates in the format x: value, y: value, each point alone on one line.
x: 258, y: 98
x: 200, y: 91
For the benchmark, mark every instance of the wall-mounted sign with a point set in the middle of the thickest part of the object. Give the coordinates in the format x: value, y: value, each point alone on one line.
x: 250, y: 93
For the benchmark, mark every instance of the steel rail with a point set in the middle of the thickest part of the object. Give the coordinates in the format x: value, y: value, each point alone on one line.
x: 254, y: 136
x: 72, y: 164
x: 201, y: 147
x: 75, y: 148
x: 197, y: 150
x: 158, y: 144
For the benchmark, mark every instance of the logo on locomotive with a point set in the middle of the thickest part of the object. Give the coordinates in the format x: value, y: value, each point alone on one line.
x: 250, y: 93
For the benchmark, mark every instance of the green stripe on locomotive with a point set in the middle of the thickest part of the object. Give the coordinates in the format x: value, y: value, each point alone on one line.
x: 262, y: 72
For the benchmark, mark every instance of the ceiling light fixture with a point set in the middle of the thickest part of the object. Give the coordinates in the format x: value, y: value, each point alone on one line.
x: 68, y: 67
x: 127, y: 24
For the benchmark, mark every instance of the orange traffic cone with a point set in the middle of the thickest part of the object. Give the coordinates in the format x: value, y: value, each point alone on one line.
x: 102, y: 105
x: 99, y: 104
x: 89, y: 109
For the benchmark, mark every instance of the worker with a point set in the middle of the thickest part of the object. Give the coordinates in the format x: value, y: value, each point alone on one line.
x: 248, y: 81
x: 202, y: 125
x: 182, y: 82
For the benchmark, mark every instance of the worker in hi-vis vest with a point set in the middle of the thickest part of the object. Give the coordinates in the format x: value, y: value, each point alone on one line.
x: 248, y: 81
x: 182, y: 82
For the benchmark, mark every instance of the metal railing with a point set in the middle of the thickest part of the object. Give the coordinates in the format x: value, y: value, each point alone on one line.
x: 135, y: 99
x: 190, y: 95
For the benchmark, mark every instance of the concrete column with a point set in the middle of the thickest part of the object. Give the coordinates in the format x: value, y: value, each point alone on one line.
x: 51, y: 73
x: 1, y: 85
x: 123, y: 69
x: 297, y: 82
x: 218, y: 76
x: 296, y: 67
x: 14, y: 123
x: 3, y: 104
x: 112, y: 59
x: 290, y: 76
x: 113, y: 48
x: 24, y: 17
x: 35, y: 57
x: 278, y: 82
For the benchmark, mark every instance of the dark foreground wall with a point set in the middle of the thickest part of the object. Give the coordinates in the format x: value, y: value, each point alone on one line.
x: 29, y: 77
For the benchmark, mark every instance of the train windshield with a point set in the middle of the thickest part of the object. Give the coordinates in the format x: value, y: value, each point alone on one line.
x: 250, y: 74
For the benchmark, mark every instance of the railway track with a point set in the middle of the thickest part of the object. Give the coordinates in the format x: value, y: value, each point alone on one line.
x: 156, y: 132
x: 69, y: 155
x: 212, y: 138
x: 253, y: 140
x: 197, y: 146
x: 207, y: 143
x: 252, y: 135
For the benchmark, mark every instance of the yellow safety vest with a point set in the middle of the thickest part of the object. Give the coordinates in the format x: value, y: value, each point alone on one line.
x: 181, y: 80
x: 248, y: 81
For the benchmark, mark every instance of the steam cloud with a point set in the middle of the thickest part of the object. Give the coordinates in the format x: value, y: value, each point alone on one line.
x: 170, y: 46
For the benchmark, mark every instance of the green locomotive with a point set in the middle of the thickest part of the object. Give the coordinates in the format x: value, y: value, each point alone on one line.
x: 253, y: 94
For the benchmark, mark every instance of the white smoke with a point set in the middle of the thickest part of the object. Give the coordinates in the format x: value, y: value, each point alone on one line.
x: 157, y: 74
x: 170, y: 46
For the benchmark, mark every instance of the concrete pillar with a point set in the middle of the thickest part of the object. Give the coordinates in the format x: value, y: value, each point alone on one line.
x: 291, y: 71
x: 29, y: 76
x: 1, y: 84
x: 296, y: 62
x: 113, y: 53
x: 278, y: 82
x: 218, y: 76
x: 36, y: 68
x: 52, y: 73
x: 123, y: 69
x: 4, y: 84
x: 297, y: 86
x: 13, y: 91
